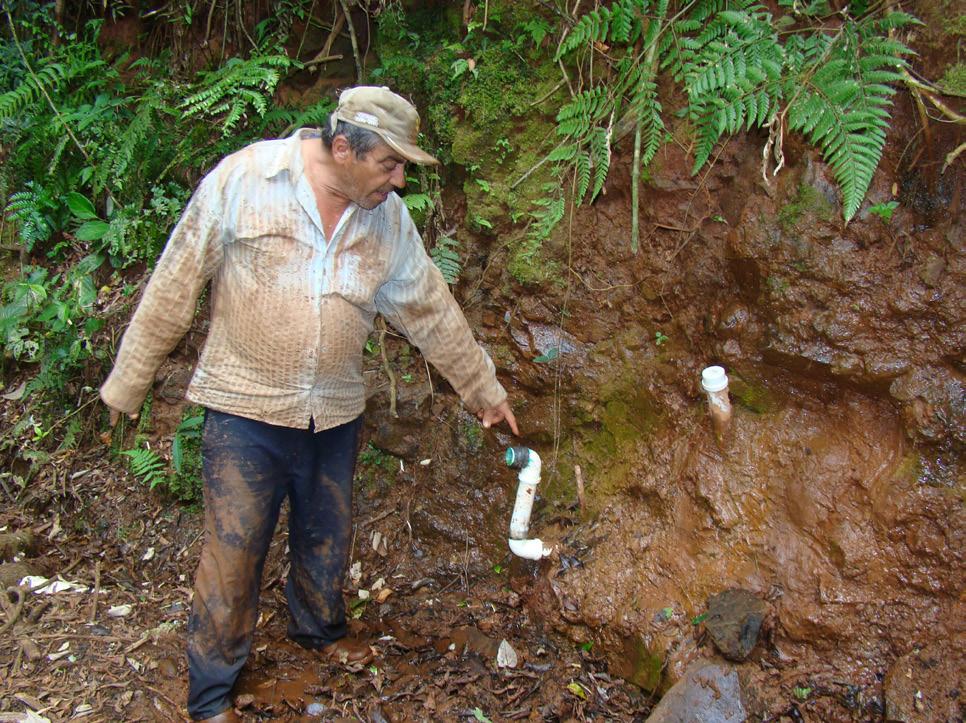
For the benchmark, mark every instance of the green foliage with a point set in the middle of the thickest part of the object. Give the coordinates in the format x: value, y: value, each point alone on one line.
x: 146, y: 465
x: 831, y: 82
x: 884, y: 210
x: 181, y: 476
x: 445, y: 254
x: 230, y: 90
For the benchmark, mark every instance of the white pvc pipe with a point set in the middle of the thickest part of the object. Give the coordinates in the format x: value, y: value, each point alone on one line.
x: 529, y: 478
x: 714, y: 381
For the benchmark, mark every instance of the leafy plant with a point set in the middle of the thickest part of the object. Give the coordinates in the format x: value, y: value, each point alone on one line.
x: 884, y: 210
x: 445, y: 254
x: 147, y: 466
x: 230, y: 90
x: 737, y: 71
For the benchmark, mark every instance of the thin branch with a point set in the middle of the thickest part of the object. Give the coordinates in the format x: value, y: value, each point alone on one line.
x: 360, y: 75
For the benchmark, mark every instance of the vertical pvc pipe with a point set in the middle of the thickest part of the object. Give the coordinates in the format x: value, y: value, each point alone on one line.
x: 714, y: 382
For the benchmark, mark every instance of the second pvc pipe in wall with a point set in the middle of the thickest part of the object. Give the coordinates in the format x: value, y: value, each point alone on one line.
x: 714, y: 382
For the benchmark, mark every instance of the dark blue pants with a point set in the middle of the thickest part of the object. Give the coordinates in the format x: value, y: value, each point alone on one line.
x: 249, y: 468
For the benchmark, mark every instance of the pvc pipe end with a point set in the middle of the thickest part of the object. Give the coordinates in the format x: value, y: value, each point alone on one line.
x: 517, y: 457
x: 714, y: 379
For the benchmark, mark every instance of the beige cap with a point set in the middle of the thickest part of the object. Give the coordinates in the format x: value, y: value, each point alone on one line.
x: 390, y: 116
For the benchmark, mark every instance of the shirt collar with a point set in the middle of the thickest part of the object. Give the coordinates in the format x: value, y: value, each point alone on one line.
x: 290, y: 158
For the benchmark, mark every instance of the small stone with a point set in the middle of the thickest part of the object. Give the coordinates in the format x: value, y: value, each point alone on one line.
x: 734, y: 621
x: 314, y: 710
x: 244, y: 700
x: 708, y: 692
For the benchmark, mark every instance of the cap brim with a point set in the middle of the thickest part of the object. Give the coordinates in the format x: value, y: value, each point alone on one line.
x: 409, y: 151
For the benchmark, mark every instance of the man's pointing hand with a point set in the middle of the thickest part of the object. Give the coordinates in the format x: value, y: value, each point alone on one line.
x: 500, y: 413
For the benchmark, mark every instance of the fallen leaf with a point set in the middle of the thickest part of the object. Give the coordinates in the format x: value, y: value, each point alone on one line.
x: 17, y: 393
x: 577, y: 689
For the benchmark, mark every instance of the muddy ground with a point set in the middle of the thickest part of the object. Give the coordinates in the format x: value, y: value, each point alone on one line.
x: 835, y: 498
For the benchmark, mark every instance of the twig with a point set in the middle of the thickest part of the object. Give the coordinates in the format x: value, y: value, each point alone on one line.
x: 211, y: 14
x: 305, y: 30
x: 97, y: 590
x: 553, y: 90
x: 580, y: 486
x: 355, y: 42
x: 241, y: 23
x: 165, y: 698
x: 635, y: 191
x: 388, y: 369
x: 952, y: 155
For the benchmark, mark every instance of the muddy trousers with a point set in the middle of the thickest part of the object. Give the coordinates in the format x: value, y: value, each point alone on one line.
x: 249, y: 468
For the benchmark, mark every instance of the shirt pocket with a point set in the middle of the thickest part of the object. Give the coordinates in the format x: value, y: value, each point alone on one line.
x: 272, y: 252
x: 361, y: 266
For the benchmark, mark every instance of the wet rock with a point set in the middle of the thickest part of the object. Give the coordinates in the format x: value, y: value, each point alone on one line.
x: 934, y: 402
x: 13, y: 543
x: 709, y: 693
x: 735, y: 619
x: 926, y: 684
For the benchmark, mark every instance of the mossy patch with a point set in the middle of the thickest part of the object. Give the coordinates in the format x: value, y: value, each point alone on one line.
x: 954, y: 79
x: 643, y: 668
x: 808, y: 203
x: 752, y: 396
x: 629, y: 413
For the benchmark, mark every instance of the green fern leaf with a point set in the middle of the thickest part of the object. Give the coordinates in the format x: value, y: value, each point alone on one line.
x: 600, y: 155
x: 147, y: 466
x: 446, y: 257
x: 582, y: 171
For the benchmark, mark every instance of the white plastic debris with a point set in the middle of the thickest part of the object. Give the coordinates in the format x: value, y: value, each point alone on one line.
x: 363, y: 594
x: 51, y: 586
x: 148, y: 556
x: 425, y: 462
x: 314, y: 710
x: 62, y: 652
x: 355, y: 572
x: 506, y: 656
x: 120, y: 611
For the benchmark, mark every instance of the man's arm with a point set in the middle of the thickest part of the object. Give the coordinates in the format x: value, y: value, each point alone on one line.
x: 417, y: 301
x: 192, y: 255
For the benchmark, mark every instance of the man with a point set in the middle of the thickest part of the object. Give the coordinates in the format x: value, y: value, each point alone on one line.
x: 304, y: 241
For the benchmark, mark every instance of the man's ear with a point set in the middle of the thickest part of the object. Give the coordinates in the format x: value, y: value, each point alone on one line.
x: 341, y: 151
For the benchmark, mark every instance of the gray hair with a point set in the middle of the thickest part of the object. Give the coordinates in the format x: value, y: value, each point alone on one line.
x: 361, y: 141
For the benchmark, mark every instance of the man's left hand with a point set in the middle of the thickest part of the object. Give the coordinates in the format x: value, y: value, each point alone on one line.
x: 500, y: 413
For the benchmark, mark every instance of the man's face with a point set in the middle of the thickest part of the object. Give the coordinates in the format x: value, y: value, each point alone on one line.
x: 370, y: 180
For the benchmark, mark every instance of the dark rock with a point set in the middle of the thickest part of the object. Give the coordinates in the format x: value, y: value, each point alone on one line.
x: 708, y: 693
x: 734, y: 621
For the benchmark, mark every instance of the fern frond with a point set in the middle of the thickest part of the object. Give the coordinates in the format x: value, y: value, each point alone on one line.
x: 445, y: 254
x: 840, y: 103
x: 579, y: 115
x: 147, y: 466
x: 600, y: 155
x: 592, y: 27
x: 50, y: 78
x: 235, y: 86
x: 582, y: 173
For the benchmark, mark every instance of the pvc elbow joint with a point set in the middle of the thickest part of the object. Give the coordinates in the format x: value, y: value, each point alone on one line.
x: 528, y: 462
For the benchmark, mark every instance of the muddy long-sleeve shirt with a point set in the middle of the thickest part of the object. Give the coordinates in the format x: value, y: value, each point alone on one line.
x: 291, y: 309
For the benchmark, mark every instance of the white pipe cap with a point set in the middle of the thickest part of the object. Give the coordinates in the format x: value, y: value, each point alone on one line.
x: 714, y: 379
